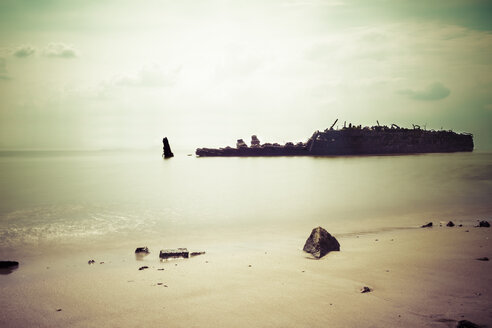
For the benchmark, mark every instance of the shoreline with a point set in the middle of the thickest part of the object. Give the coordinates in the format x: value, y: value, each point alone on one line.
x: 420, y: 277
x: 61, y: 243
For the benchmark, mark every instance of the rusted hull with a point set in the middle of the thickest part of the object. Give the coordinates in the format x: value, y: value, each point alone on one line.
x: 358, y: 142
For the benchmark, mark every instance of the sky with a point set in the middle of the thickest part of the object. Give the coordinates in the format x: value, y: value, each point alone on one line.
x: 119, y: 74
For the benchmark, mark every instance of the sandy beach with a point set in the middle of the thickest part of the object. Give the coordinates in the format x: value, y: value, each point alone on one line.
x: 419, y: 278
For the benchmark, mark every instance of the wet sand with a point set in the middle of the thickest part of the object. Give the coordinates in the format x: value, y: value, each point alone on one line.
x: 420, y: 278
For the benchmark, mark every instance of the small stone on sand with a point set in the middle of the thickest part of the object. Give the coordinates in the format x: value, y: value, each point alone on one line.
x: 467, y: 324
x: 484, y: 224
x: 142, y: 250
x: 8, y: 264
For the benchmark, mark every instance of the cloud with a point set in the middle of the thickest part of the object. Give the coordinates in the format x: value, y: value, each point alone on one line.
x: 152, y: 75
x: 59, y: 50
x: 3, y: 70
x: 434, y: 91
x: 24, y: 51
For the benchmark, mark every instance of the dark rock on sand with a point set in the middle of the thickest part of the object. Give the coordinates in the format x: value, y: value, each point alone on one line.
x: 91, y: 262
x: 428, y: 225
x: 142, y: 250
x: 482, y: 259
x: 467, y: 324
x: 7, y: 267
x: 450, y: 224
x: 143, y: 267
x: 174, y: 253
x: 8, y: 264
x: 365, y: 289
x: 320, y: 243
x: 484, y: 224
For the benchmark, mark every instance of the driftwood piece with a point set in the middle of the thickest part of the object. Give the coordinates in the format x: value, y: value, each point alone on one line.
x: 196, y: 253
x: 174, y: 253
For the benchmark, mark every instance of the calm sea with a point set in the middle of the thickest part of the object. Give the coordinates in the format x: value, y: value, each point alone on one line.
x: 104, y: 199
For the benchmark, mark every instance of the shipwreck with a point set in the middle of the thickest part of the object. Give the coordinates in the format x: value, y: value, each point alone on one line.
x: 355, y: 140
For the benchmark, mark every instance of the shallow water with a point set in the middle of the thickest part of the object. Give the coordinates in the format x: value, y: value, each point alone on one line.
x: 103, y: 199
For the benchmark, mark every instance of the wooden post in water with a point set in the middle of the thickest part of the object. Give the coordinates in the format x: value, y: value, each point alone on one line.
x: 167, y: 149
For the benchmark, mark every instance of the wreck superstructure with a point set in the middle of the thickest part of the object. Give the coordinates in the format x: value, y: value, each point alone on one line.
x: 355, y: 140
